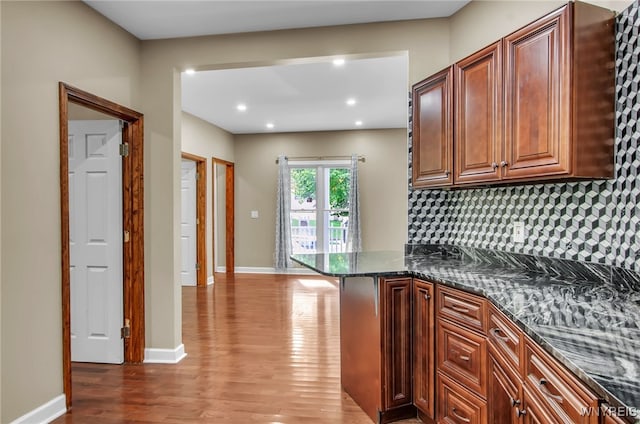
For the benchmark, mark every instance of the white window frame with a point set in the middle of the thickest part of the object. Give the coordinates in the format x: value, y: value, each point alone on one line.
x: 322, y: 199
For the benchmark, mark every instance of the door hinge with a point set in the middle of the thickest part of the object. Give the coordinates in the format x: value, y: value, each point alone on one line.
x: 197, y: 221
x: 125, y: 332
x: 197, y: 176
x: 124, y: 149
x: 126, y: 236
x: 197, y: 267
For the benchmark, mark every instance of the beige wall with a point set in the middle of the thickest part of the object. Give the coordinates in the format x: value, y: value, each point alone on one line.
x: 383, y: 180
x: 43, y: 43
x: 204, y: 139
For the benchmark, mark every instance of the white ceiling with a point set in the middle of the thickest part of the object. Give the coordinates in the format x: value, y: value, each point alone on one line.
x: 294, y: 97
x: 302, y: 97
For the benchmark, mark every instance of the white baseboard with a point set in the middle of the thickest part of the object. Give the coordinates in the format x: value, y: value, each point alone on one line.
x: 210, y: 280
x: 45, y: 413
x: 164, y: 356
x: 267, y: 270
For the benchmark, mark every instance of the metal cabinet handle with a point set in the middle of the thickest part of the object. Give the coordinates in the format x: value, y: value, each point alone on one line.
x: 494, y: 165
x: 504, y: 163
x: 458, y: 416
x: 514, y: 402
x: 542, y: 384
x: 521, y: 412
x: 459, y: 309
x: 447, y: 173
x: 427, y: 296
x: 464, y: 358
x: 495, y: 332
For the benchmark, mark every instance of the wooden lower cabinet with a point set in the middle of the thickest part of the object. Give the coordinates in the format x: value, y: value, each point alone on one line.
x: 423, y: 349
x: 457, y: 405
x: 412, y: 347
x: 504, y: 396
x: 396, y: 333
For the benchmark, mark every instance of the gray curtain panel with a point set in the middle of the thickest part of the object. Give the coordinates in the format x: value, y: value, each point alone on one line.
x: 283, y: 224
x: 354, y: 239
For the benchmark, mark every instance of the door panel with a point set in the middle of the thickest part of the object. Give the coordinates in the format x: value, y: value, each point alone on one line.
x: 95, y: 231
x: 188, y: 223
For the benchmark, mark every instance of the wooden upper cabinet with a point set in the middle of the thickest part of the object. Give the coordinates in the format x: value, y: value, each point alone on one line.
x: 559, y: 96
x: 537, y: 105
x: 432, y: 159
x: 478, y: 112
x: 538, y: 88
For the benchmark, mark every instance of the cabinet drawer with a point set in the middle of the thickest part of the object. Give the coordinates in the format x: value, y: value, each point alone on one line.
x: 562, y: 395
x: 462, y: 308
x: 462, y: 356
x: 505, y: 338
x: 456, y: 405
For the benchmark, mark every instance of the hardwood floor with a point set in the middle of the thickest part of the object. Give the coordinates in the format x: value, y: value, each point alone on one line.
x: 261, y: 349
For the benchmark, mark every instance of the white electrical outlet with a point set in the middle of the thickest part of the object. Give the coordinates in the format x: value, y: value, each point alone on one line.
x: 518, y: 232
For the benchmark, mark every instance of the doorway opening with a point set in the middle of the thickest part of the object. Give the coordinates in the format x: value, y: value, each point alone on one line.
x: 132, y: 224
x: 223, y: 195
x: 194, y: 220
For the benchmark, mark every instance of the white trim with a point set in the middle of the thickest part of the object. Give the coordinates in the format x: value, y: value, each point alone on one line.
x: 210, y: 280
x: 45, y: 413
x: 164, y: 356
x: 267, y: 270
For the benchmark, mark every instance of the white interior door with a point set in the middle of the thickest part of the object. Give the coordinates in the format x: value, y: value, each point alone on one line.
x: 188, y: 223
x: 95, y: 239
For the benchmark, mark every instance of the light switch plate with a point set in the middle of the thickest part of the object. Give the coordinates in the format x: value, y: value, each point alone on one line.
x: 518, y: 232
x: 254, y: 214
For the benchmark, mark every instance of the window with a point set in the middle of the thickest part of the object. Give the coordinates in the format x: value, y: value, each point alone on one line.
x: 319, y: 206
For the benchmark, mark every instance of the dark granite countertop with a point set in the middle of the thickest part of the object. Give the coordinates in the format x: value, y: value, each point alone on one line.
x: 592, y: 327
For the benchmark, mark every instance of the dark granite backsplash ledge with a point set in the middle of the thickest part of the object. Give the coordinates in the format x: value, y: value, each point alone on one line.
x: 621, y: 278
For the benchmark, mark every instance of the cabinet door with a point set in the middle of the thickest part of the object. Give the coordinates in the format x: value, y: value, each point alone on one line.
x: 462, y: 356
x: 457, y: 405
x: 504, y: 396
x: 423, y: 347
x: 396, y: 342
x: 537, y: 93
x: 478, y: 107
x: 432, y: 159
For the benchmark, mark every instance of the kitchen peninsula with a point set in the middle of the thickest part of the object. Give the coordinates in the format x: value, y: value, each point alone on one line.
x: 471, y: 335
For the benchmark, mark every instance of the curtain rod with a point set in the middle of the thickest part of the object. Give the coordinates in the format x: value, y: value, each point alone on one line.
x: 360, y: 158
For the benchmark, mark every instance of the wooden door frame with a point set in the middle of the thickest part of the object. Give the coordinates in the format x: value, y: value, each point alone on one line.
x: 201, y: 216
x: 132, y: 220
x: 230, y: 212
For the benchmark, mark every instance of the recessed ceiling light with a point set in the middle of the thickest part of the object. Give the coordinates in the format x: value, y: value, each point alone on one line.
x: 338, y: 62
x: 270, y: 125
x: 351, y: 101
x: 241, y: 107
x: 190, y: 71
x: 358, y: 123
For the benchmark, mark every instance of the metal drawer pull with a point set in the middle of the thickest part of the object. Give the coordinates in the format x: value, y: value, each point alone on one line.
x: 458, y: 416
x: 459, y: 309
x: 514, y: 402
x: 464, y: 358
x: 545, y: 391
x: 521, y: 412
x: 495, y: 332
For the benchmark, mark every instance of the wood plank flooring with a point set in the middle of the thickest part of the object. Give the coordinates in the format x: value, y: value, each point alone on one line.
x: 261, y: 349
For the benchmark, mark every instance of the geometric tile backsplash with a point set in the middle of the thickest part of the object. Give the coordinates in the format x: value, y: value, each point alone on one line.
x: 594, y: 221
